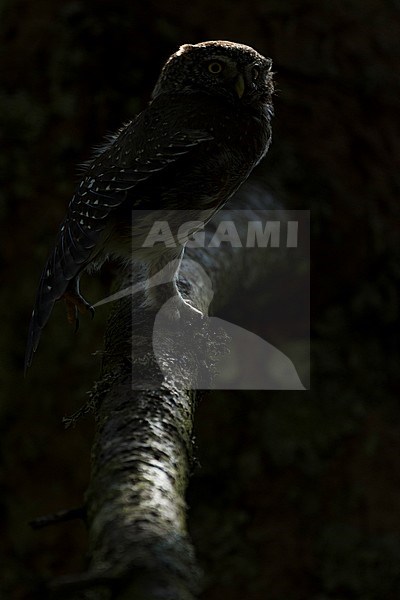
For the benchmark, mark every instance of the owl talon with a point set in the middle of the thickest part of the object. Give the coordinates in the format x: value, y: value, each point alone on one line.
x: 76, y: 304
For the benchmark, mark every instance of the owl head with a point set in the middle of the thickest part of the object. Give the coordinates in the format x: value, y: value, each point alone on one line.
x: 234, y: 71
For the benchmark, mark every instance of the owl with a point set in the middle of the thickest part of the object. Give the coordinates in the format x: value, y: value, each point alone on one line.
x: 207, y: 125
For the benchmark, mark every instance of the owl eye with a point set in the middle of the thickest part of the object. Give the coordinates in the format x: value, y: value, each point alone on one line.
x: 255, y: 73
x: 215, y: 67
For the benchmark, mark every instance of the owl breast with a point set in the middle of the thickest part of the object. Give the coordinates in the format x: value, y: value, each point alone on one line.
x: 214, y: 170
x: 197, y: 185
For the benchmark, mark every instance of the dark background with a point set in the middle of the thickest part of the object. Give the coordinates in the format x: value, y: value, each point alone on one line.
x: 298, y: 494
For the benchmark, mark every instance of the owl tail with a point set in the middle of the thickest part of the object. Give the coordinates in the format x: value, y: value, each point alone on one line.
x: 40, y: 315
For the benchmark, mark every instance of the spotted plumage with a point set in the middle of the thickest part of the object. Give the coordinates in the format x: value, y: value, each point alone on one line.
x: 206, y: 127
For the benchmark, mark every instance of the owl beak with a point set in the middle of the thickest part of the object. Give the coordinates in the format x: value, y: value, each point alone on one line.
x: 239, y: 85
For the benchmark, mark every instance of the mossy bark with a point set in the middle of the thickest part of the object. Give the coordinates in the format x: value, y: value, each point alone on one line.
x: 142, y: 453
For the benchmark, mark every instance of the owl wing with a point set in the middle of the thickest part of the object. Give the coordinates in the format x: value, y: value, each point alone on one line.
x: 102, y: 190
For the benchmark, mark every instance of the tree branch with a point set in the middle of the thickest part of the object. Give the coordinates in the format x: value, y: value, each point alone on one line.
x: 142, y: 454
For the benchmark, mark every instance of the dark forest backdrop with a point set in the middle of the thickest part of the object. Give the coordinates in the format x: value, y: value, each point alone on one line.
x: 298, y: 494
